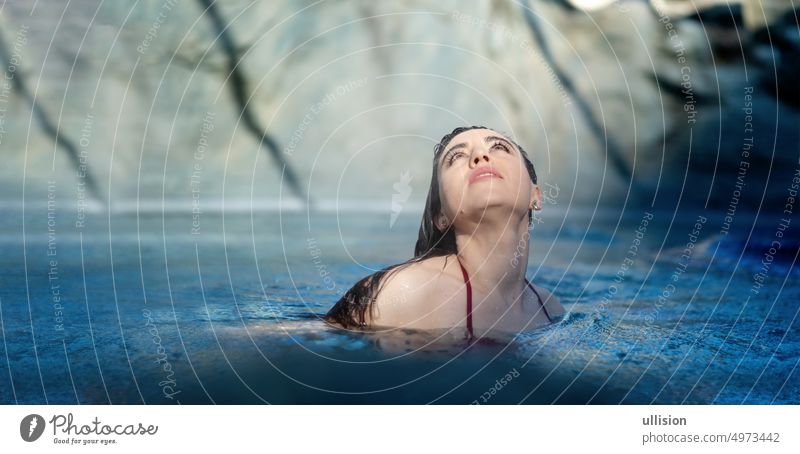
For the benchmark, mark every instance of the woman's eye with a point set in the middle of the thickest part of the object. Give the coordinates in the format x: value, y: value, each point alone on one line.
x: 453, y: 156
x: 501, y: 146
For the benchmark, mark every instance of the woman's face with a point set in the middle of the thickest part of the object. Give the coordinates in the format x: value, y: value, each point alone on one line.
x: 480, y: 170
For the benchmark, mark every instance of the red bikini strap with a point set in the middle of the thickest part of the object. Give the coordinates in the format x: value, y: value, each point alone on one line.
x: 469, y: 297
x: 540, y: 300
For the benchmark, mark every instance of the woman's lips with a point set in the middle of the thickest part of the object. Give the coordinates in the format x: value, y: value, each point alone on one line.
x: 483, y: 173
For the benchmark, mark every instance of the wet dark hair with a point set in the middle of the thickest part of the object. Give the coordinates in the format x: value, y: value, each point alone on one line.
x: 351, y: 309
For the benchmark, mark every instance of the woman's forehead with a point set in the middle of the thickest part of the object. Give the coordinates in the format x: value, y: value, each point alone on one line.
x: 476, y: 133
x: 473, y: 135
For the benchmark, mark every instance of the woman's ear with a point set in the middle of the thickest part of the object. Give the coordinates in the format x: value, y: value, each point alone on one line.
x: 442, y: 222
x: 536, y: 198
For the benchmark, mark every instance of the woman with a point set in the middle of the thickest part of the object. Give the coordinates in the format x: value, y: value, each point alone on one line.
x: 469, y: 263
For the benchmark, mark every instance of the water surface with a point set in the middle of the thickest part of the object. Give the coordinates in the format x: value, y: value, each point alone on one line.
x: 138, y: 309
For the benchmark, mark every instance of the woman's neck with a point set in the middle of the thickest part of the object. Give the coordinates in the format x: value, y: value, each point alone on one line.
x: 496, y: 257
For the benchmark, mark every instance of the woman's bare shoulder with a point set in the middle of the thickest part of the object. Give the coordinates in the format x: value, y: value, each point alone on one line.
x: 405, y: 292
x: 422, y: 274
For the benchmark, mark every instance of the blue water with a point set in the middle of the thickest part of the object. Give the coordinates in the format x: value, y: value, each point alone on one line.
x: 155, y: 314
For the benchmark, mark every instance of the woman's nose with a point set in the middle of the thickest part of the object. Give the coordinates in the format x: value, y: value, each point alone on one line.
x: 480, y: 156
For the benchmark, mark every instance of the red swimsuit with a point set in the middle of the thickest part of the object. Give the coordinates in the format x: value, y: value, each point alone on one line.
x: 469, y: 299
